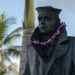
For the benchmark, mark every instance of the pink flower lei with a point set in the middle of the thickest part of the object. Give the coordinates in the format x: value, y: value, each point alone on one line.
x: 50, y: 40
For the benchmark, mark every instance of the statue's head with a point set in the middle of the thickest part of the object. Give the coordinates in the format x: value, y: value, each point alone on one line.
x: 48, y: 18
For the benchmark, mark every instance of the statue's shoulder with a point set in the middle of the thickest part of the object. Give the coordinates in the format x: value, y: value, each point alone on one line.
x: 29, y: 47
x: 72, y: 38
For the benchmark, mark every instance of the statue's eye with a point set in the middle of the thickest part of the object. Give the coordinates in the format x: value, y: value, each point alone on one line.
x: 39, y: 18
x: 45, y: 18
x: 48, y: 18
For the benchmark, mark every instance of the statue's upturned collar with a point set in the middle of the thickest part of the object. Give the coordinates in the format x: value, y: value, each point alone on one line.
x: 41, y: 50
x: 63, y: 37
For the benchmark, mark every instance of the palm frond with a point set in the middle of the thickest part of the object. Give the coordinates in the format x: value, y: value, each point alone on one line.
x: 16, y: 46
x: 4, y: 24
x: 13, y: 52
x: 12, y: 64
x: 16, y: 31
x: 10, y: 39
x: 9, y: 68
x: 5, y: 69
x: 2, y: 30
x: 23, y: 25
x: 0, y: 19
x: 7, y: 20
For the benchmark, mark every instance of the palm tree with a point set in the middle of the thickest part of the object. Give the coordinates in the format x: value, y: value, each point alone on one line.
x: 28, y: 26
x: 5, y: 40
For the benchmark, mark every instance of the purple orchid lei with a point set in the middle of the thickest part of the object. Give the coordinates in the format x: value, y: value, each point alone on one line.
x: 50, y: 40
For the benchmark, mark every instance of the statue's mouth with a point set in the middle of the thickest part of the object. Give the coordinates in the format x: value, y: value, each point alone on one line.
x: 43, y: 27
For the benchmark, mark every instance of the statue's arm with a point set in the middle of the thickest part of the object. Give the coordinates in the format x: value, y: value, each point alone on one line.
x: 74, y: 54
x: 26, y: 69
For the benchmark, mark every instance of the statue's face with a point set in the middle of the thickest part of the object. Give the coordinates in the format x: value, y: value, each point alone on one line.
x: 46, y: 23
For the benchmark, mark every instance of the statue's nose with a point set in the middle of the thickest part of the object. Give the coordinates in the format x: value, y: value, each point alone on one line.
x: 43, y: 21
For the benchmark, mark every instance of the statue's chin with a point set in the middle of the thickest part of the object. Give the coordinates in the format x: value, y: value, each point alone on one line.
x: 43, y: 31
x: 46, y: 32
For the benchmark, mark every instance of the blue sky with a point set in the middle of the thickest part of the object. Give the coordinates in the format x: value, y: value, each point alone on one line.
x: 15, y: 8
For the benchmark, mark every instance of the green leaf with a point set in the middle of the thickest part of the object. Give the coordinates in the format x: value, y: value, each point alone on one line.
x: 9, y: 39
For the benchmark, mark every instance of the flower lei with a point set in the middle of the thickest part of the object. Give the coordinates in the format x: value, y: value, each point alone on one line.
x: 50, y: 40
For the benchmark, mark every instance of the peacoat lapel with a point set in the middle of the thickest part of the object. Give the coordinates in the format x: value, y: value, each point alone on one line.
x: 60, y: 49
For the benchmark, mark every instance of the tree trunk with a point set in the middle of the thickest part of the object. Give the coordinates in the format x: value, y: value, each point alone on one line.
x: 26, y: 38
x: 29, y: 24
